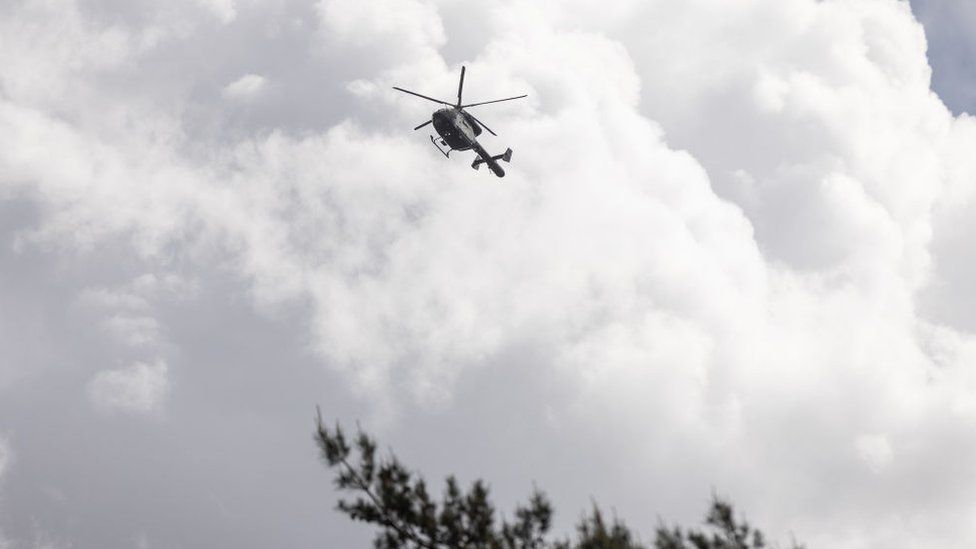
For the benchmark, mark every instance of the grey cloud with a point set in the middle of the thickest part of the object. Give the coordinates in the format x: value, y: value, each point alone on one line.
x: 231, y: 460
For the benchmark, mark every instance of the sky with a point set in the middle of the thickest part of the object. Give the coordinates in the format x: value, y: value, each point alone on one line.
x: 731, y: 255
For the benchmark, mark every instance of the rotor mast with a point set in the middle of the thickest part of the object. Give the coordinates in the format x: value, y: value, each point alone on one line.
x: 460, y: 87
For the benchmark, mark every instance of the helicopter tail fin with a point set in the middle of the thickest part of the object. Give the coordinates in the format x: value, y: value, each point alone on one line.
x: 506, y: 156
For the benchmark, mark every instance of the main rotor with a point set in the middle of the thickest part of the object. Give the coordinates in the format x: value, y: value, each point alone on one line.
x: 459, y: 106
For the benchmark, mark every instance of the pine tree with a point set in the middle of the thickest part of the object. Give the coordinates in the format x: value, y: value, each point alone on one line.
x: 389, y: 496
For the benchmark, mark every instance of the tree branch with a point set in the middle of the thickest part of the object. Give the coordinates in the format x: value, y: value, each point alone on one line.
x: 404, y: 530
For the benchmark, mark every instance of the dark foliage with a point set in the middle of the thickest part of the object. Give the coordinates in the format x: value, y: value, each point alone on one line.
x: 727, y: 533
x: 387, y: 495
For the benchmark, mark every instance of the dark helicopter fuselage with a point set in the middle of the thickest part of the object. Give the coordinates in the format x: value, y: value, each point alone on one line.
x: 459, y: 131
x: 456, y: 127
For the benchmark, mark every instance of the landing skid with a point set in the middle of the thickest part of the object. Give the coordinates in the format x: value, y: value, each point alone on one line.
x: 448, y: 153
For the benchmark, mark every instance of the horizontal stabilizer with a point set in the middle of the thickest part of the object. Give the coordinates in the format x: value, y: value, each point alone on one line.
x: 493, y: 162
x: 506, y: 156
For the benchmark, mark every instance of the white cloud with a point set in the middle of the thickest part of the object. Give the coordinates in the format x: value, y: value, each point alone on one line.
x: 127, y: 312
x: 225, y: 10
x: 134, y: 330
x: 246, y: 87
x: 40, y: 68
x: 400, y: 27
x: 140, y: 388
x: 875, y: 450
x: 6, y: 457
x: 718, y: 231
x: 138, y: 294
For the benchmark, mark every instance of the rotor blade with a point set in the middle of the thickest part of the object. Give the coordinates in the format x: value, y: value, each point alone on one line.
x: 422, y: 125
x: 494, y: 101
x: 460, y: 85
x: 423, y: 96
x: 482, y: 124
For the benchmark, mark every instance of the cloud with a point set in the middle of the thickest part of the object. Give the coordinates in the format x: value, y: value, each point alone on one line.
x: 225, y: 10
x: 875, y: 450
x: 5, y: 456
x: 732, y: 235
x: 40, y: 67
x: 140, y: 388
x: 386, y: 27
x: 246, y: 87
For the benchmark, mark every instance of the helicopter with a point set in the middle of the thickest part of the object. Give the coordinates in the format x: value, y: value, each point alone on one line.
x: 459, y: 129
